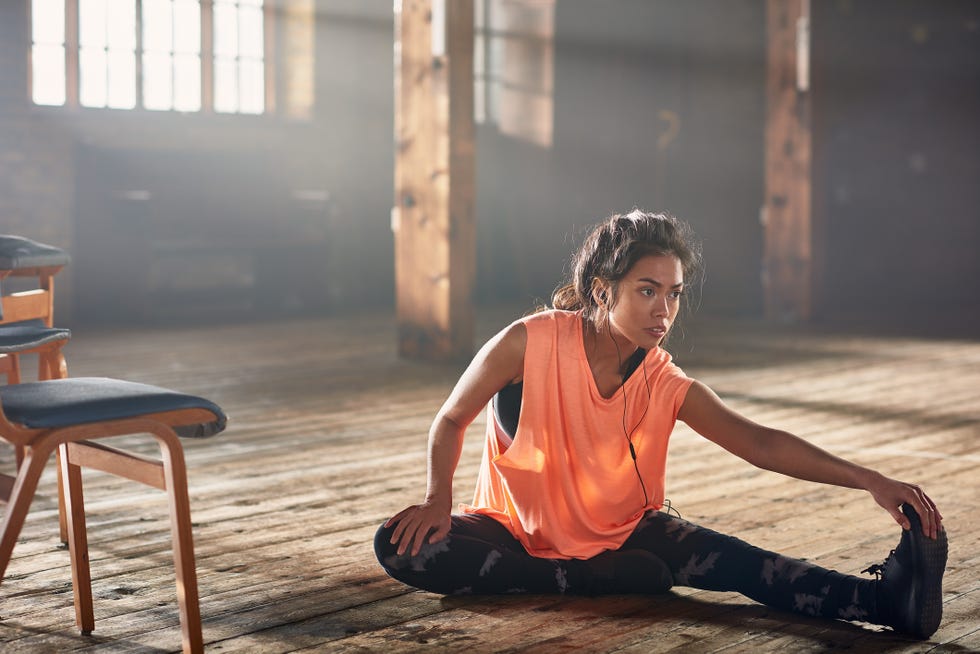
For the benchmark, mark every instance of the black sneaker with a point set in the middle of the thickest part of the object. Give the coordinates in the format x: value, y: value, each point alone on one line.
x: 909, y: 591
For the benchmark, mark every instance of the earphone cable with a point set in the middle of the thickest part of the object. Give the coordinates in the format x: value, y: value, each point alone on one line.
x: 626, y: 431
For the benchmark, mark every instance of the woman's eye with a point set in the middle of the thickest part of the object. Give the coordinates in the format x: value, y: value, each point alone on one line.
x: 646, y: 291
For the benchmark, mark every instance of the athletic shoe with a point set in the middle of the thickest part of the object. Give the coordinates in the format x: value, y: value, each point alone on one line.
x: 909, y: 589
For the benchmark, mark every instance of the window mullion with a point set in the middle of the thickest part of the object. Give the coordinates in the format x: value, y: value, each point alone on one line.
x: 207, y: 56
x: 270, y: 56
x: 139, y: 54
x: 71, y: 53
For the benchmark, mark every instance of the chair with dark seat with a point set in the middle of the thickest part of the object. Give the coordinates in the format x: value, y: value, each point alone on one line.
x: 27, y: 316
x: 69, y: 416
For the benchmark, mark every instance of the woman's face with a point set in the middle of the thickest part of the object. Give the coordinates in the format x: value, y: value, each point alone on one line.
x: 647, y: 300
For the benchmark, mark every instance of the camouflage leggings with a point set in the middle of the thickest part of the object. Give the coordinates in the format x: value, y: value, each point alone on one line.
x: 480, y: 556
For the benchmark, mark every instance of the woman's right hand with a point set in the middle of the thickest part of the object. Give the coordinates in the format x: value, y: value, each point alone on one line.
x: 419, y: 524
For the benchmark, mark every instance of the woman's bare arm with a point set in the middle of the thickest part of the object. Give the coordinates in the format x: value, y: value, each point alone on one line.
x: 782, y: 452
x: 498, y: 363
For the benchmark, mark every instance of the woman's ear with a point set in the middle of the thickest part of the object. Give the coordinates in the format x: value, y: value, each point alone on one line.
x: 600, y: 294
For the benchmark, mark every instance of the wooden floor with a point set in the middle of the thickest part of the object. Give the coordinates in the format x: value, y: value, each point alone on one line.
x: 327, y: 439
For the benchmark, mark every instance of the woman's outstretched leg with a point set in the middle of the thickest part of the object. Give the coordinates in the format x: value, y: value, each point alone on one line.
x: 907, y: 596
x: 702, y: 558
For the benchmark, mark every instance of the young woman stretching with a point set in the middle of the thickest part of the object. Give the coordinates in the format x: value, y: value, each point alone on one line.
x: 571, y: 485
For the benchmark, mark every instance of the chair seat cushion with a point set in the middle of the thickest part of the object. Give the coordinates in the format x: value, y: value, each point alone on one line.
x: 82, y: 400
x: 28, y: 334
x: 18, y: 252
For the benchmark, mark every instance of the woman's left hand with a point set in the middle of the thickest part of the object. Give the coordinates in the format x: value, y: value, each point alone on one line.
x: 890, y: 494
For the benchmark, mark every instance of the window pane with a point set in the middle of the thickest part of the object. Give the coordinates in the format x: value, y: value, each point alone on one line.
x: 187, y: 83
x: 48, y: 21
x: 479, y: 50
x: 157, y: 83
x: 121, y: 24
x: 251, y: 88
x: 250, y: 32
x: 478, y: 9
x: 157, y: 26
x: 122, y: 79
x: 225, y: 85
x: 187, y: 19
x: 92, y: 87
x: 91, y: 23
x: 298, y: 28
x: 479, y: 100
x: 225, y: 30
x: 48, y: 83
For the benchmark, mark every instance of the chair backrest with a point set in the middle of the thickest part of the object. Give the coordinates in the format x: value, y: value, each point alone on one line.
x: 22, y: 257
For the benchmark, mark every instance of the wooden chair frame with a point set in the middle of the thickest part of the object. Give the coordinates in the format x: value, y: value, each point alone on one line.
x: 35, y: 304
x: 77, y: 449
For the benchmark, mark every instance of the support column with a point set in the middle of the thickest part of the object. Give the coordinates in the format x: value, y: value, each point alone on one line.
x: 787, y: 273
x: 433, y: 215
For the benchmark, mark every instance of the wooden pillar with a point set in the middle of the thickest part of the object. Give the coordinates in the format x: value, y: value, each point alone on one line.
x: 433, y: 216
x: 787, y: 266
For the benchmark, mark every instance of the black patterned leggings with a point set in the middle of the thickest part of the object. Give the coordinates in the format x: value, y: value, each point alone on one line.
x: 480, y: 556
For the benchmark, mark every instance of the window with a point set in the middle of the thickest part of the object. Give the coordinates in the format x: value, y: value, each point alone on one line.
x: 165, y: 55
x: 513, y: 76
x: 238, y: 56
x: 48, y: 52
x: 107, y: 53
x: 171, y: 55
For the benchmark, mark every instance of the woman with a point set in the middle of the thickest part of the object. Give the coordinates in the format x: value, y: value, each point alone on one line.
x: 572, y: 480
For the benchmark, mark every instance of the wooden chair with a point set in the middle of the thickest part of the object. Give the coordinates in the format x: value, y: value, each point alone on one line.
x: 26, y: 322
x: 27, y: 317
x: 69, y: 416
x: 22, y: 257
x: 32, y: 337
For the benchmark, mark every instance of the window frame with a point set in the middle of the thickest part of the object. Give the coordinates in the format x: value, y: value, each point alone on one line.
x: 73, y: 73
x: 491, y: 81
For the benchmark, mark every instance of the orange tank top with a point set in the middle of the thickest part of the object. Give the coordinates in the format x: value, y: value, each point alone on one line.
x: 566, y: 487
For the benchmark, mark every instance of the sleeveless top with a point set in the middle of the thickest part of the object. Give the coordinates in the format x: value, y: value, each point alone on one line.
x: 565, y: 487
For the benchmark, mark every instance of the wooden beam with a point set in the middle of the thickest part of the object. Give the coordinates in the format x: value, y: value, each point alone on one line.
x: 787, y: 266
x: 433, y: 215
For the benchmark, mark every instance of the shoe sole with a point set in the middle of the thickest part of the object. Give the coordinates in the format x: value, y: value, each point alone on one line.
x: 925, y: 601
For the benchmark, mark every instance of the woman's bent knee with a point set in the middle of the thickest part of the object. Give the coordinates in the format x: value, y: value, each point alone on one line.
x: 383, y: 548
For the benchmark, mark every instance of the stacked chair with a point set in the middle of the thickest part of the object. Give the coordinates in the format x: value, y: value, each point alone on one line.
x: 67, y: 416
x: 27, y: 317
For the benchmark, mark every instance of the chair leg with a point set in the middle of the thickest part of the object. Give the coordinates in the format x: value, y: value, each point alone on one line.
x: 13, y: 369
x: 175, y: 473
x: 20, y: 501
x: 52, y: 365
x: 62, y: 511
x: 10, y: 366
x: 74, y: 508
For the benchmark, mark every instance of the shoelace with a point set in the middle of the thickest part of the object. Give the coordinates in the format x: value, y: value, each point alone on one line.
x: 877, y: 569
